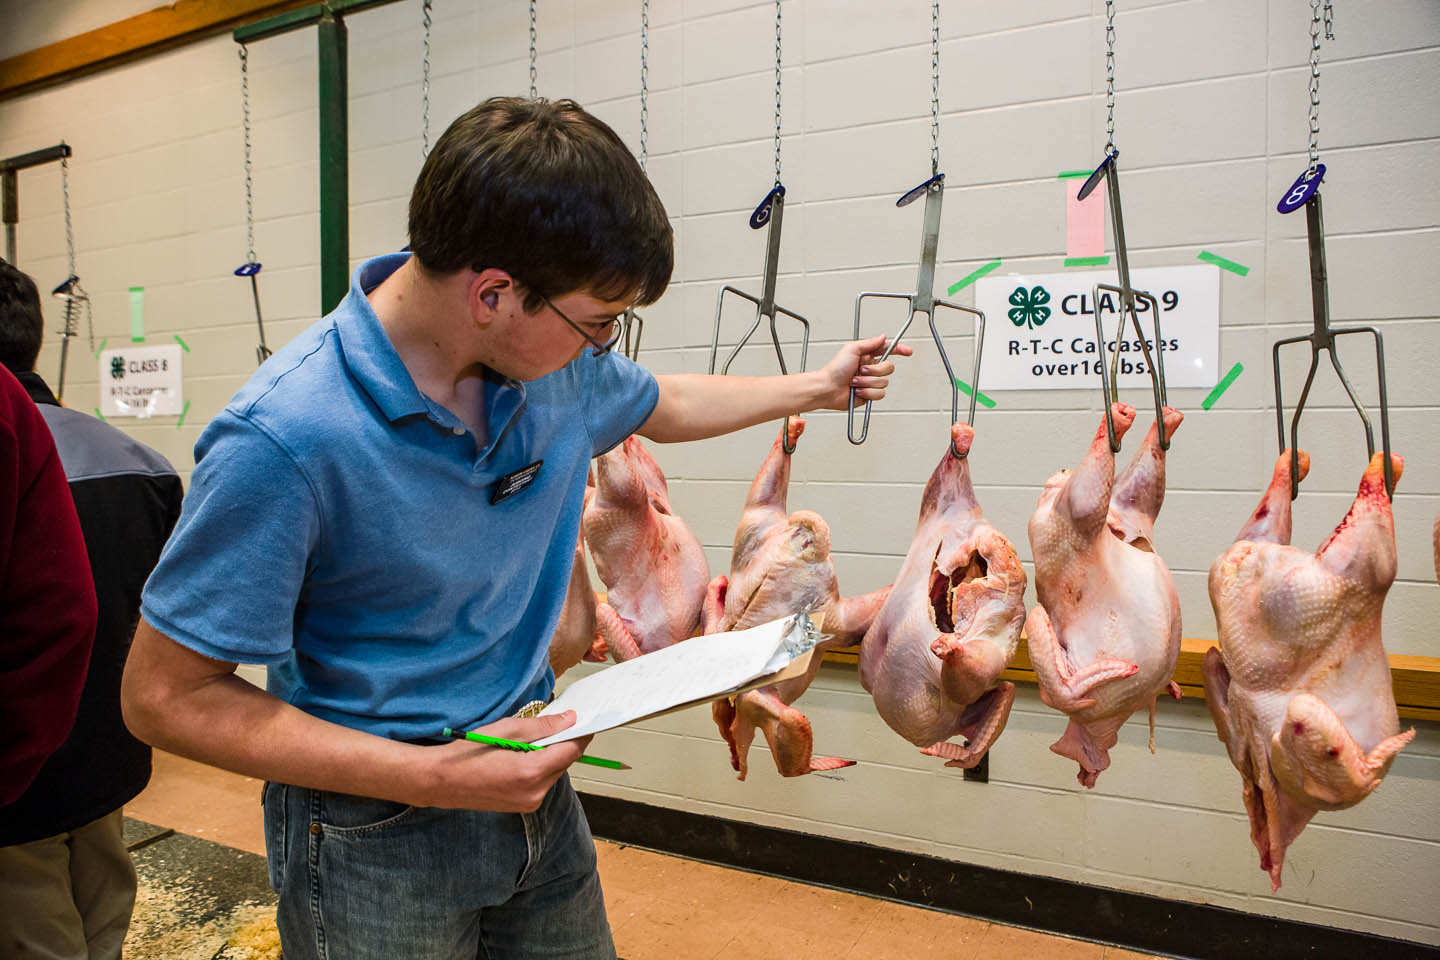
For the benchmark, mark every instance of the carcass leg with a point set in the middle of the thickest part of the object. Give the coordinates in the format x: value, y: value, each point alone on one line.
x: 981, y: 725
x: 1270, y: 523
x: 1217, y: 698
x: 712, y: 611
x: 1087, y: 491
x: 1140, y: 489
x: 615, y: 634
x: 1315, y: 757
x: 1062, y: 686
x: 786, y: 729
x: 848, y: 618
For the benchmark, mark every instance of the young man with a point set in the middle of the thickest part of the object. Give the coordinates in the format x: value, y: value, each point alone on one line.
x: 386, y: 514
x: 66, y: 880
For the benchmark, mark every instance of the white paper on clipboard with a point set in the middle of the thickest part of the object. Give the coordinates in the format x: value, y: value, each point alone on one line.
x: 694, y: 671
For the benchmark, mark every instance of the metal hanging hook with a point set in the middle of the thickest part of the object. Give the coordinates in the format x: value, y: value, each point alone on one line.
x: 250, y: 269
x: 1322, y: 337
x: 1127, y: 297
x: 770, y: 213
x: 70, y: 291
x: 923, y: 300
x: 1306, y: 192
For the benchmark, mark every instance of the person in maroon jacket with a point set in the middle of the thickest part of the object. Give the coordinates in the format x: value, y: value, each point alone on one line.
x: 47, y: 597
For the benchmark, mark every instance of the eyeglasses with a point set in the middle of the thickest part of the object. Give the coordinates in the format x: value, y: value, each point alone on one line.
x: 600, y: 348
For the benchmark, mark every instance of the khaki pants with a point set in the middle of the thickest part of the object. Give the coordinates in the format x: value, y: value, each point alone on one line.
x: 67, y: 897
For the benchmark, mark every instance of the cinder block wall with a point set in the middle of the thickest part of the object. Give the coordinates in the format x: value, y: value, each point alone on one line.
x: 1211, y: 119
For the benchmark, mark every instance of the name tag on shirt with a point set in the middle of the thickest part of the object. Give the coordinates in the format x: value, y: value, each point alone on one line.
x: 513, y: 483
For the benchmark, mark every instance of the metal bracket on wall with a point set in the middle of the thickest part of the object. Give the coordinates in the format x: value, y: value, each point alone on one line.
x: 10, y: 187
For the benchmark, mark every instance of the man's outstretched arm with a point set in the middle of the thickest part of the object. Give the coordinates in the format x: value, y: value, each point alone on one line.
x: 695, y: 406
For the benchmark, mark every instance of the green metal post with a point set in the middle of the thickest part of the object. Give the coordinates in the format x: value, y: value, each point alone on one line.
x: 334, y: 163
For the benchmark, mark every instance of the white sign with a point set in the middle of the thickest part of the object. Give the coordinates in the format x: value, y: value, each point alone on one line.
x: 141, y: 381
x: 1041, y: 329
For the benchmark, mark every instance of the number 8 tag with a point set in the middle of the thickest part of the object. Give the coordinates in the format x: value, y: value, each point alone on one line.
x: 1301, y: 190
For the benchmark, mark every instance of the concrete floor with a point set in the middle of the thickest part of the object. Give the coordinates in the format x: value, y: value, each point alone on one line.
x: 207, y: 884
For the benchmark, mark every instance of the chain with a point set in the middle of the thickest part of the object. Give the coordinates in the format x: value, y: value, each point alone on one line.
x: 245, y: 130
x: 1109, y: 76
x: 76, y: 292
x: 935, y: 88
x: 69, y: 231
x: 1315, y: 24
x: 534, y: 91
x: 777, y: 92
x: 425, y: 82
x: 644, y: 80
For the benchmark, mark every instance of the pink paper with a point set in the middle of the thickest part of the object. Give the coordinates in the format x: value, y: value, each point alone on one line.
x: 1084, y: 220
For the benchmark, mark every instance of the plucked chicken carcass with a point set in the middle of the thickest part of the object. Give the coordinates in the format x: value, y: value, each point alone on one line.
x: 951, y: 623
x: 780, y: 566
x: 1300, y: 686
x: 652, y: 565
x: 1106, y: 634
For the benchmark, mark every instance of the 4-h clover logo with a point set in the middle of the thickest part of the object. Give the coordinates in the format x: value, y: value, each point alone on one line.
x: 1029, y: 306
x: 117, y: 368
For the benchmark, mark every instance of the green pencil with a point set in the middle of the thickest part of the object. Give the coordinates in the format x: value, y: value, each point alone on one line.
x: 517, y: 745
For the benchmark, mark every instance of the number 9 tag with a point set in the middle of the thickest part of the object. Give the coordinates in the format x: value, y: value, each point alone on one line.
x: 1301, y: 190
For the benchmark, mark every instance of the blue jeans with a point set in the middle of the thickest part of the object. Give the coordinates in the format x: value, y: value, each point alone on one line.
x: 359, y: 878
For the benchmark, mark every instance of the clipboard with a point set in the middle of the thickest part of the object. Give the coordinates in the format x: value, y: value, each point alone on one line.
x: 675, y: 678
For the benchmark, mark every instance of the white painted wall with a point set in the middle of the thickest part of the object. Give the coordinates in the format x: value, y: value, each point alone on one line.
x: 1211, y: 120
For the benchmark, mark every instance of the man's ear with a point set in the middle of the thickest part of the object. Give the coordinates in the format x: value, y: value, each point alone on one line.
x: 487, y: 289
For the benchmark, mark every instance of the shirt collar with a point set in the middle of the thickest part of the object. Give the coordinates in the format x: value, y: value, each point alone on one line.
x: 36, y: 386
x: 368, y: 352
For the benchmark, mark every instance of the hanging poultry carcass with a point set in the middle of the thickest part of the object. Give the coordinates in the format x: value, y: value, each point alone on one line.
x: 1105, y: 635
x: 933, y: 656
x: 780, y: 566
x: 652, y: 565
x: 1300, y: 686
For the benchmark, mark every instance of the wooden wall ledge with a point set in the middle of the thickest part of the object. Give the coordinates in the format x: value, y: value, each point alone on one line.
x: 1416, y: 679
x: 153, y: 31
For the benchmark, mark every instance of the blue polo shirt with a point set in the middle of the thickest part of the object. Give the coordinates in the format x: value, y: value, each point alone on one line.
x: 339, y: 528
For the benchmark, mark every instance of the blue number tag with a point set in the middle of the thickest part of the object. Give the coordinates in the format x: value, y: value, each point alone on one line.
x: 1093, y: 181
x: 761, y: 216
x: 910, y: 196
x: 248, y: 269
x: 1301, y: 190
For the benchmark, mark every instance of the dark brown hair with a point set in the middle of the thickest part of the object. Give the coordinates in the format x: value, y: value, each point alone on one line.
x: 547, y: 193
x: 21, y: 325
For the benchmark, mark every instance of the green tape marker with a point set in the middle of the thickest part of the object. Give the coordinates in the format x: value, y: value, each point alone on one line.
x: 99, y: 414
x: 1073, y: 174
x: 137, y: 314
x: 965, y: 387
x: 1222, y: 263
x: 101, y: 349
x: 183, y: 410
x: 1222, y: 386
x: 970, y: 278
x: 1087, y: 261
x: 182, y: 343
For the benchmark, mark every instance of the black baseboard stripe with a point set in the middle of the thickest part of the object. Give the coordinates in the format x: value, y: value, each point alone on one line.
x: 1134, y: 921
